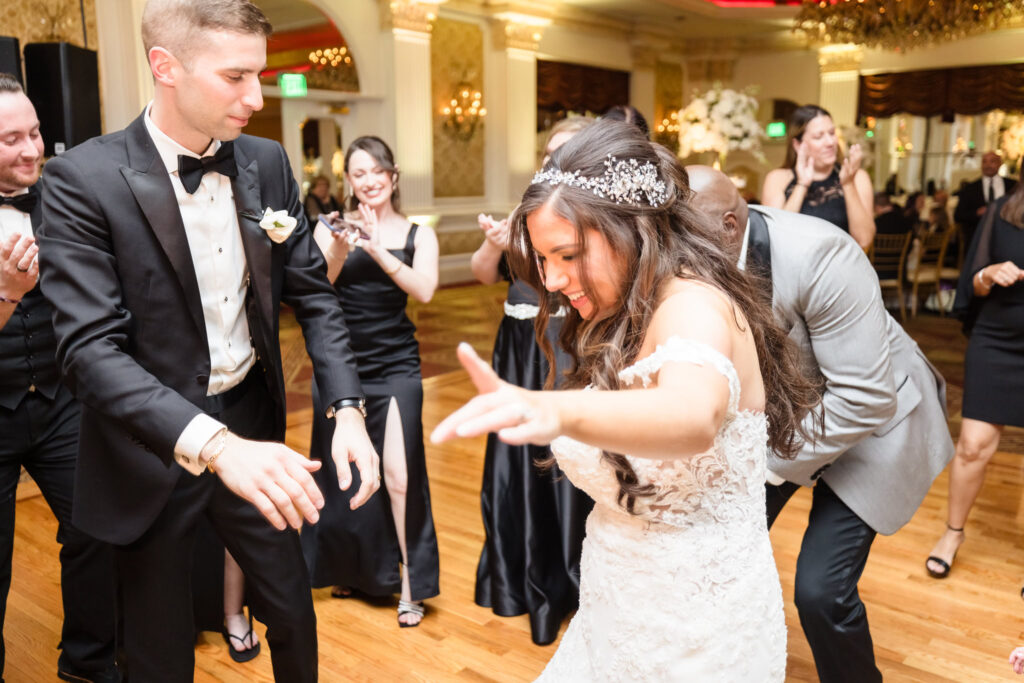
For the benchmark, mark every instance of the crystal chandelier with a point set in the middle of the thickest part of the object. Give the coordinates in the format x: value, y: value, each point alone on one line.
x: 901, y: 24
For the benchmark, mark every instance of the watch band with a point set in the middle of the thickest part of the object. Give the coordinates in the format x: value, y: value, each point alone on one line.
x: 357, y: 403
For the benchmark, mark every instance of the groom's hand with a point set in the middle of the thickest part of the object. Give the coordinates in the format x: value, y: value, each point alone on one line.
x: 351, y: 444
x: 272, y: 477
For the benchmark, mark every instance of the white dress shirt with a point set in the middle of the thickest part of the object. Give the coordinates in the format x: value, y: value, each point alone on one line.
x: 14, y: 221
x: 215, y: 243
x: 998, y: 188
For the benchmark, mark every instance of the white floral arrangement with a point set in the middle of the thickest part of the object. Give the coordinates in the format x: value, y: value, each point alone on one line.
x: 721, y: 120
x: 1012, y: 141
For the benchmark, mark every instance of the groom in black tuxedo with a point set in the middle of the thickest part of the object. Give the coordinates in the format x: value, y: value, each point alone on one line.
x: 166, y: 286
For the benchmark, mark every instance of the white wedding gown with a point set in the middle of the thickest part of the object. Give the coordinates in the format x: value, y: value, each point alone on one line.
x: 687, y: 589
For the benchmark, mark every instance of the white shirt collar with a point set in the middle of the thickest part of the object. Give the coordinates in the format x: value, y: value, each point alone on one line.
x: 742, y: 263
x: 23, y: 190
x: 168, y: 149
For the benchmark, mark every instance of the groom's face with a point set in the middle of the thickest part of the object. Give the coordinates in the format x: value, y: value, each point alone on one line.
x: 218, y: 89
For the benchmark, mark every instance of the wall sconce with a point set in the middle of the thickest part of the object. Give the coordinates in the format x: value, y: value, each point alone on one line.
x: 463, y: 112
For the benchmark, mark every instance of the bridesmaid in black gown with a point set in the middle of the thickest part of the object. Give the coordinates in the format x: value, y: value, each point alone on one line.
x: 534, y: 518
x: 990, y: 296
x: 364, y: 550
x: 816, y: 181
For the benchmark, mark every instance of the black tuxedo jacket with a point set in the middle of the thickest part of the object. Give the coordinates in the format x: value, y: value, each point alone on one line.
x: 972, y: 198
x: 131, y: 338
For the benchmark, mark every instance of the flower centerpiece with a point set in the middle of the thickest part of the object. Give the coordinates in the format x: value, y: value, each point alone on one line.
x: 721, y: 120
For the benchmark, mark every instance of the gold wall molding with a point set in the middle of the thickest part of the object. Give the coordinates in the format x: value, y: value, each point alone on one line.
x: 408, y: 15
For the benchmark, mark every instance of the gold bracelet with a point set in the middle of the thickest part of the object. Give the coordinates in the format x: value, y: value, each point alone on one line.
x: 396, y: 268
x: 217, y: 443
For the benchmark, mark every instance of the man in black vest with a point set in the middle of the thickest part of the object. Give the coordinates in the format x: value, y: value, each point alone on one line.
x: 38, y: 416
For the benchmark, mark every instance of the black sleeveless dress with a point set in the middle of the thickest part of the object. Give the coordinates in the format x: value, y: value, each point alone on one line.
x: 359, y: 548
x: 534, y: 519
x: 994, y: 364
x: 825, y: 200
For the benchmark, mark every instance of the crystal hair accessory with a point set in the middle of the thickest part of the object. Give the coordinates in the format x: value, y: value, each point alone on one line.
x: 624, y: 182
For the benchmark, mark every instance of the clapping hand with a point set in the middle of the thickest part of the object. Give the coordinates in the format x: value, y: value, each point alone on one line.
x: 804, y: 168
x: 517, y: 415
x: 496, y: 232
x: 19, y: 267
x: 851, y: 164
x: 370, y: 226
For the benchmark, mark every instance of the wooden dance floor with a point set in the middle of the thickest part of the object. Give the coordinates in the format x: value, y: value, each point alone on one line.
x: 960, y: 629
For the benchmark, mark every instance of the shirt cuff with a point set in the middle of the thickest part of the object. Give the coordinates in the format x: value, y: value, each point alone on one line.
x: 773, y: 479
x: 193, y: 438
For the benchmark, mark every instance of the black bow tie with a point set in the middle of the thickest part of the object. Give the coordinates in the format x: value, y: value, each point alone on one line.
x: 191, y: 170
x: 22, y: 202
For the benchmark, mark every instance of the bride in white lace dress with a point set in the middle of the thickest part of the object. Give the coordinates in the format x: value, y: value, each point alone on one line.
x: 669, y: 429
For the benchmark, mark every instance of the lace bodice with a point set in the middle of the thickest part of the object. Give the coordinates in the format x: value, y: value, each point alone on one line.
x: 686, y: 589
x: 716, y: 486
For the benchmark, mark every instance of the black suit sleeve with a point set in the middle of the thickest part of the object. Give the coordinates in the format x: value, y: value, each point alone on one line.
x: 317, y: 309
x: 79, y: 275
x: 966, y: 212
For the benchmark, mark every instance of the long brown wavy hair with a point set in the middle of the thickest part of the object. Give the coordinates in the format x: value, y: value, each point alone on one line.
x: 656, y: 244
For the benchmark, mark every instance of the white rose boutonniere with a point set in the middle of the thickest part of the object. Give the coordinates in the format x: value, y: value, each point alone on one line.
x: 278, y: 224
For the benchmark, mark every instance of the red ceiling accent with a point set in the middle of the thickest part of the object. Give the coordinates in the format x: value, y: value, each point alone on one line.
x: 755, y: 3
x: 311, y: 37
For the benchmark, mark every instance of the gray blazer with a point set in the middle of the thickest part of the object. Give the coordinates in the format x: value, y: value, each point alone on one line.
x: 886, y: 436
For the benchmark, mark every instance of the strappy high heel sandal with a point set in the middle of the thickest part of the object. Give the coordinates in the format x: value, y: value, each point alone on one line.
x: 944, y: 572
x: 407, y: 607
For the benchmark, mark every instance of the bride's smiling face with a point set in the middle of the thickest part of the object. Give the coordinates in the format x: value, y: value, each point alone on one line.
x: 562, y: 262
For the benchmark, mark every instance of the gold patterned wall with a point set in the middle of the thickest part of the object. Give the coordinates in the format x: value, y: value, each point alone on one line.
x: 456, y: 55
x: 47, y: 21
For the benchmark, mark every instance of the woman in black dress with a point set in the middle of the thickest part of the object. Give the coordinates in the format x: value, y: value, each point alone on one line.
x: 374, y: 275
x: 534, y: 518
x: 990, y: 289
x: 816, y: 181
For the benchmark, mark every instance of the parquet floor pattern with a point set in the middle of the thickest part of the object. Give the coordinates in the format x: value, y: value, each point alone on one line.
x: 960, y: 629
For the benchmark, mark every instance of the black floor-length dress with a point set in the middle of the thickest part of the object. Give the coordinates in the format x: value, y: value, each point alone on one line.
x: 359, y: 548
x: 534, y: 518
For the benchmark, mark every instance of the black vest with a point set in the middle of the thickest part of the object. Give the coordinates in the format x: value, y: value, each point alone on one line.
x: 28, y: 348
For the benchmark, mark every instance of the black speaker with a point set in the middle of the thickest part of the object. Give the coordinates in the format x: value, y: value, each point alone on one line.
x: 10, y: 58
x: 62, y: 81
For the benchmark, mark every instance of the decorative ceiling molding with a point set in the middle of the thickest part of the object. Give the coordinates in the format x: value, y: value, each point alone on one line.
x: 409, y: 15
x: 847, y: 57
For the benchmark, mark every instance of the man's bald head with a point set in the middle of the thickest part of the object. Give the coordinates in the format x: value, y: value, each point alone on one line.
x: 716, y: 195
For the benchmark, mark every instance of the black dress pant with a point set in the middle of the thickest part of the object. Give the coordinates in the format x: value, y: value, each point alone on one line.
x: 832, y: 558
x: 154, y: 572
x: 42, y: 435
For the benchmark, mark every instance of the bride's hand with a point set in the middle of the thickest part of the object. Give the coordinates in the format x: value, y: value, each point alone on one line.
x: 517, y: 415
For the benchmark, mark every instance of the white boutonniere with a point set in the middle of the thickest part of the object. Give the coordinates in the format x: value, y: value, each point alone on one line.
x: 278, y: 224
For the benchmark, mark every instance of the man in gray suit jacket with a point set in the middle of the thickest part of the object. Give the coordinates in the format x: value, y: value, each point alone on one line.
x: 885, y: 434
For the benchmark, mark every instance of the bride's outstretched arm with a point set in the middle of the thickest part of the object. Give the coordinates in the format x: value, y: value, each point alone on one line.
x: 677, y: 417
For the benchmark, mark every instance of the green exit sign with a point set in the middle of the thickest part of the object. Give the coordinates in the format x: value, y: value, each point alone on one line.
x: 292, y: 85
x: 776, y: 129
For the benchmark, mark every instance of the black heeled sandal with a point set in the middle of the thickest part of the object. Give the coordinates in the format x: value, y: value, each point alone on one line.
x: 946, y: 566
